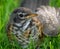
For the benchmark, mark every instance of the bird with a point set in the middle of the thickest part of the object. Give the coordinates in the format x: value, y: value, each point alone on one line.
x: 50, y: 18
x: 24, y: 25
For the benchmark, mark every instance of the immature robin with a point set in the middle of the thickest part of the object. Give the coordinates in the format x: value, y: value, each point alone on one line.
x: 50, y: 18
x: 23, y: 24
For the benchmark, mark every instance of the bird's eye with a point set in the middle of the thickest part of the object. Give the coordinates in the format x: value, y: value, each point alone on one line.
x: 21, y: 15
x: 36, y: 10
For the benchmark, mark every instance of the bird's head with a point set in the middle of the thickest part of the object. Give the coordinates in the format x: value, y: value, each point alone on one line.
x: 22, y: 14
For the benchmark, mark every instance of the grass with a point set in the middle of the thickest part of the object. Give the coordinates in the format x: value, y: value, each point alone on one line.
x: 6, y: 7
x: 55, y: 3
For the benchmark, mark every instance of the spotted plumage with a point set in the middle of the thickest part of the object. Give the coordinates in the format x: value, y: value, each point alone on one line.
x: 24, y: 25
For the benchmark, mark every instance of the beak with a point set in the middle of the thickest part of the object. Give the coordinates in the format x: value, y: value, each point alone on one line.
x: 32, y: 15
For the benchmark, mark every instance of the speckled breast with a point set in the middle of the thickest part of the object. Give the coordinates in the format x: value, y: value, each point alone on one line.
x: 25, y: 31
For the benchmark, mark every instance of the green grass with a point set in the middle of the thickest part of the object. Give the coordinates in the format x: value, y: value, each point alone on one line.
x: 6, y: 7
x: 55, y: 3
